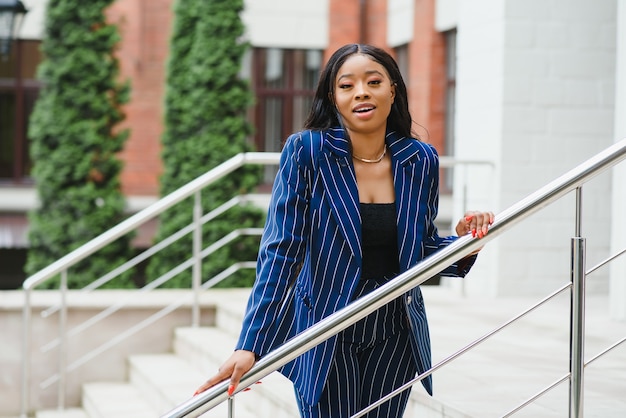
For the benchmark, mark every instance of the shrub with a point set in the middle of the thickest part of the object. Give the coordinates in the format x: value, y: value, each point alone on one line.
x: 205, y: 125
x: 75, y: 142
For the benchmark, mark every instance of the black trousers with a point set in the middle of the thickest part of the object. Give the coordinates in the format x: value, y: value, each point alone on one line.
x: 373, y: 357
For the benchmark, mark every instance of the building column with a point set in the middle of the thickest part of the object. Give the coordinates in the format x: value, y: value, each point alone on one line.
x: 535, y: 95
x: 618, y: 238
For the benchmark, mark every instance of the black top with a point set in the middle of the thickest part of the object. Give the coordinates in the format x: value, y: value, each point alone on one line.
x: 379, y: 234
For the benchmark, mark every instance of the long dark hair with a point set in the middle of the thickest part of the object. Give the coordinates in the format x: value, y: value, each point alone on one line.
x: 323, y: 114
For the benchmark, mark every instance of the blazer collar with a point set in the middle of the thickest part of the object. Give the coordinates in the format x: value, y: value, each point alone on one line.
x: 402, y: 149
x: 337, y: 174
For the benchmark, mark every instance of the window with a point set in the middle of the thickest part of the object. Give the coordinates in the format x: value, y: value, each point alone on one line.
x: 18, y: 92
x: 402, y: 58
x: 449, y: 131
x: 284, y: 82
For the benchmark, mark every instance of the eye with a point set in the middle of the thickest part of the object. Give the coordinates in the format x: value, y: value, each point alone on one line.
x: 375, y: 82
x: 344, y: 86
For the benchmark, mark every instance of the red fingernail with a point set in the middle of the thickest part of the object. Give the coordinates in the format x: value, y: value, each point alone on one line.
x: 474, y: 232
x: 468, y: 218
x: 231, y: 389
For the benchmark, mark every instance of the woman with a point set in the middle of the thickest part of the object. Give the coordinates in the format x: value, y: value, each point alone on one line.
x: 353, y: 205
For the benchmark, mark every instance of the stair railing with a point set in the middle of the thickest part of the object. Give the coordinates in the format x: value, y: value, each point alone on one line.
x: 335, y: 323
x: 62, y: 266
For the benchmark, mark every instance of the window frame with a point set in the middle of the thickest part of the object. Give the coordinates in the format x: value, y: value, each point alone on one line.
x: 287, y: 94
x: 22, y: 86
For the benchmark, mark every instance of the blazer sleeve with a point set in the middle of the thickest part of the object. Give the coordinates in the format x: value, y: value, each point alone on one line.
x: 281, y: 251
x: 433, y: 242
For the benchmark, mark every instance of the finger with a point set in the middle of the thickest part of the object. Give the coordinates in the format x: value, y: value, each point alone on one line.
x: 218, y: 378
x: 206, y: 385
x: 463, y: 226
x: 235, y: 378
x: 472, y: 221
x: 481, y: 225
x: 487, y: 219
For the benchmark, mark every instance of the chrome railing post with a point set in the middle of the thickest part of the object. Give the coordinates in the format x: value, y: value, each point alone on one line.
x: 577, y: 320
x: 431, y: 265
x: 231, y: 407
x: 197, y: 257
x: 463, y: 210
x: 26, y: 354
x: 62, y: 341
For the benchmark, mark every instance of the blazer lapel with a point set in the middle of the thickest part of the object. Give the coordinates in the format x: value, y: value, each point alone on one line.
x: 406, y: 160
x: 338, y: 177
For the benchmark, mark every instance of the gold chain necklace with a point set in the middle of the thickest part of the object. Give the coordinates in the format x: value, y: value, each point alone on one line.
x: 377, y: 160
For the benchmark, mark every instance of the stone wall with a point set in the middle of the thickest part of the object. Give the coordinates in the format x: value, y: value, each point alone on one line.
x: 108, y: 366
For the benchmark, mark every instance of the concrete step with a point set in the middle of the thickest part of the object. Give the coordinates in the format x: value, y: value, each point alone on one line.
x: 206, y: 348
x: 230, y: 311
x: 422, y: 405
x: 167, y: 380
x: 115, y: 400
x: 68, y: 413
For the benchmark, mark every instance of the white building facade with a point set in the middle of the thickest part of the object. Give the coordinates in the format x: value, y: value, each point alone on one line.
x: 540, y: 88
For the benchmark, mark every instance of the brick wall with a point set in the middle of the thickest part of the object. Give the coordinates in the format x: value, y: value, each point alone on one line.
x: 427, y: 76
x: 345, y: 24
x: 366, y: 22
x: 145, y: 29
x: 375, y: 30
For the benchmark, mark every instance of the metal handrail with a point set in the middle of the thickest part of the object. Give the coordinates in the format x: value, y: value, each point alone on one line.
x: 333, y: 324
x: 148, y: 213
x: 159, y: 281
x: 154, y: 249
x: 491, y: 333
x: 464, y: 350
x: 148, y: 287
x: 588, y: 362
x: 62, y: 265
x: 135, y: 328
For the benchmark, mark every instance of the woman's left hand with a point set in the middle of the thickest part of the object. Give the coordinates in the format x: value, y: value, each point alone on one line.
x: 475, y: 222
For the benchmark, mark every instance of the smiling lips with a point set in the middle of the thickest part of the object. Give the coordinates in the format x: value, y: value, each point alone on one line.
x: 363, y: 108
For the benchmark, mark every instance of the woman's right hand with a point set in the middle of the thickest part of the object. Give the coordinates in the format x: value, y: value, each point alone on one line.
x: 234, y: 368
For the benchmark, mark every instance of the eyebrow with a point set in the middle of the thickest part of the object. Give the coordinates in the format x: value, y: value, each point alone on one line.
x: 370, y: 72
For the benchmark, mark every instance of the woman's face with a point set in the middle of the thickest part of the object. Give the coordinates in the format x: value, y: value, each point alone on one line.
x: 363, y: 95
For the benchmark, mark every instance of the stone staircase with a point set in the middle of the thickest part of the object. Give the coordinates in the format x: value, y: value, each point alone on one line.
x: 159, y: 382
x: 486, y: 382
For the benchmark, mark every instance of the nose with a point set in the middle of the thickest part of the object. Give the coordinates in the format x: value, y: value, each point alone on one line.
x: 361, y: 91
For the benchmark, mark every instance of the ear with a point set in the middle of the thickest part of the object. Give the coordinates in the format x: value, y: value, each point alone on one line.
x: 393, y: 91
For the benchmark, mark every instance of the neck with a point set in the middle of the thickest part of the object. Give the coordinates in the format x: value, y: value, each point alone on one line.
x: 371, y: 160
x: 368, y: 148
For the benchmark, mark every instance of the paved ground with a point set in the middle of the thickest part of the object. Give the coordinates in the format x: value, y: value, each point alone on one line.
x: 501, y: 373
x: 523, y: 359
x: 504, y: 371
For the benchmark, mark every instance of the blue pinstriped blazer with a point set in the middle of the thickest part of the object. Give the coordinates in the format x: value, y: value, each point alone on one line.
x: 309, y: 260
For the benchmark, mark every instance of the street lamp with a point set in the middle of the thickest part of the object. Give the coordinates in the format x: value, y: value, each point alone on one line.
x: 11, y: 15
